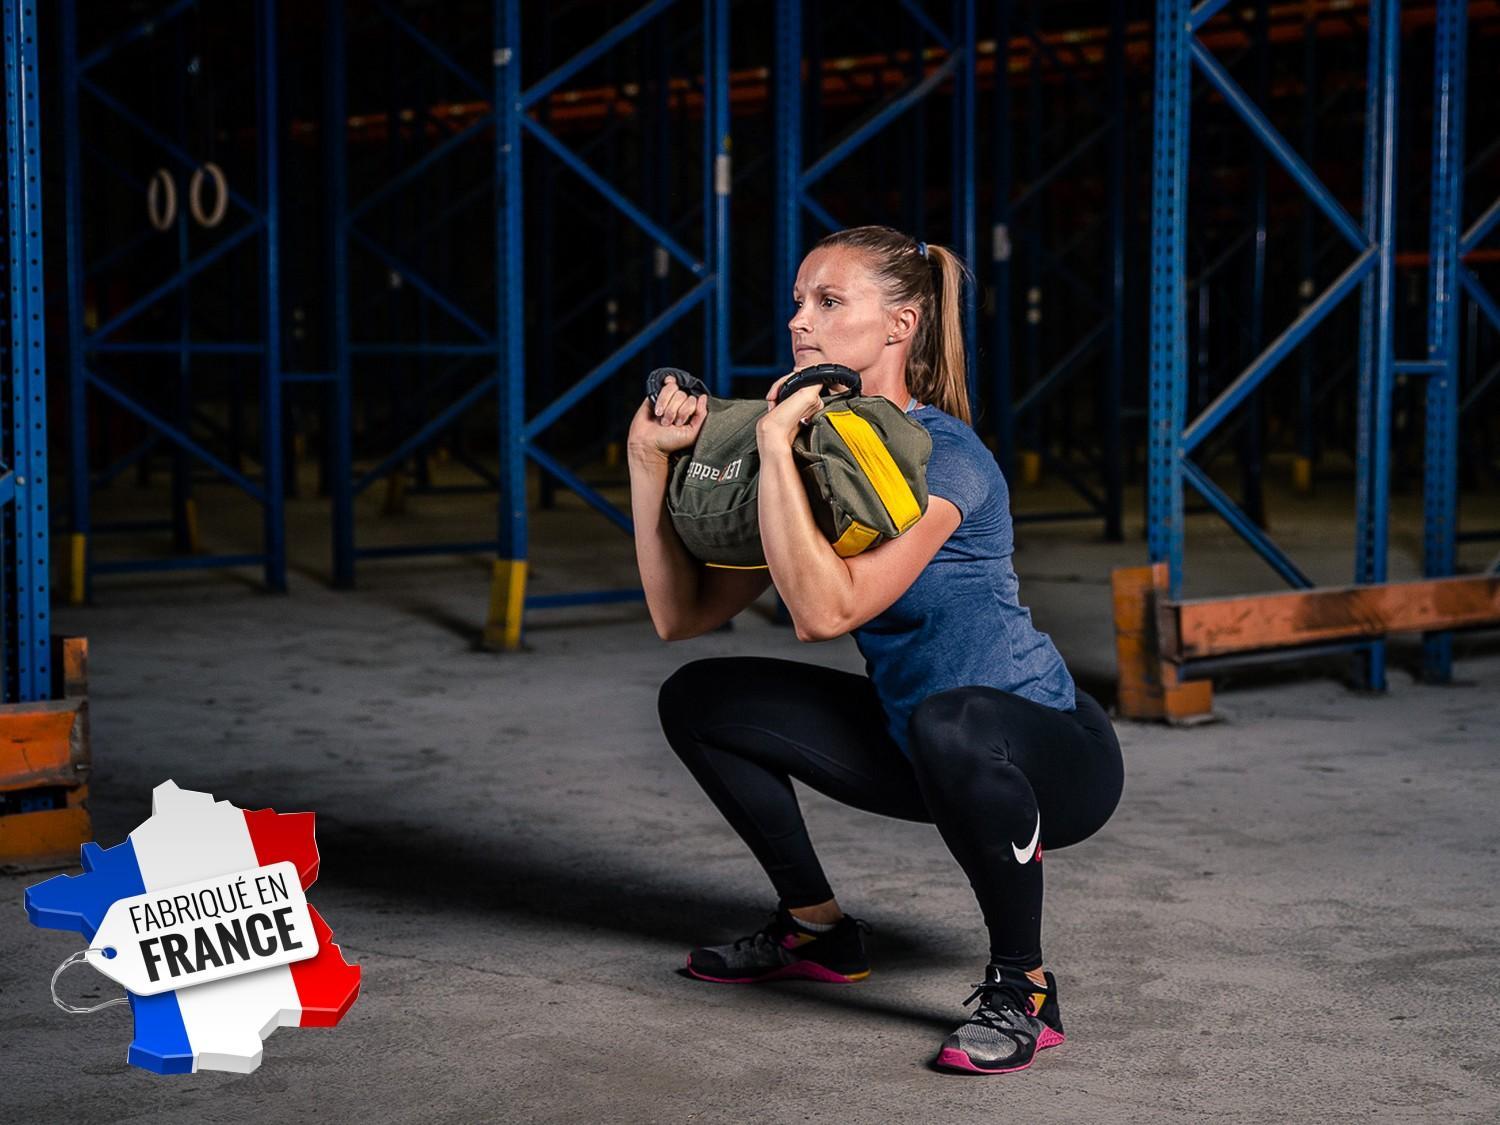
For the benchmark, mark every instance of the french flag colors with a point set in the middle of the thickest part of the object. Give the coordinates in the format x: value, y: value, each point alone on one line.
x: 190, y: 836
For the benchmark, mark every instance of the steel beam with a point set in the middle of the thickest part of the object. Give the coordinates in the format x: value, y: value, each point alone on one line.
x: 1168, y: 356
x: 1377, y: 313
x: 1440, y: 434
x: 26, y: 604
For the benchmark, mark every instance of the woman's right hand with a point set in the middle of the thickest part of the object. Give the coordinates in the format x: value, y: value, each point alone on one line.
x: 776, y: 389
x: 776, y: 386
x: 669, y: 426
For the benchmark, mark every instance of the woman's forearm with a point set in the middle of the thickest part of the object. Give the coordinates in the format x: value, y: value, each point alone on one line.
x: 811, y: 579
x: 670, y: 576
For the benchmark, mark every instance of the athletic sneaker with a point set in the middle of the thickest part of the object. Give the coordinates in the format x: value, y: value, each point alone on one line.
x: 784, y: 949
x: 1015, y: 1019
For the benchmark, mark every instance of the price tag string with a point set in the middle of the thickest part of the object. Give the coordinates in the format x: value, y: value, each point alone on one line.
x: 73, y: 1009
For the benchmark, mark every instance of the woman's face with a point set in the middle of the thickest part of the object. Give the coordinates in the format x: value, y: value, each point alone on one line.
x: 841, y: 315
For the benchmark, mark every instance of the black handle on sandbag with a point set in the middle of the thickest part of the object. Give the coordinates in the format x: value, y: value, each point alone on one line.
x: 824, y: 374
x: 691, y: 384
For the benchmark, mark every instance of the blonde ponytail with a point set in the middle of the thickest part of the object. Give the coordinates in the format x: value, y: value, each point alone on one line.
x: 948, y: 362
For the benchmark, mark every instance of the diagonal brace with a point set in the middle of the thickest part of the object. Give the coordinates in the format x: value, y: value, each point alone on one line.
x: 174, y: 435
x: 1276, y: 144
x: 617, y: 359
x: 1263, y: 364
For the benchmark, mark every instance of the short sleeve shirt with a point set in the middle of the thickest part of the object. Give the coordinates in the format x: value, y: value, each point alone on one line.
x: 961, y: 623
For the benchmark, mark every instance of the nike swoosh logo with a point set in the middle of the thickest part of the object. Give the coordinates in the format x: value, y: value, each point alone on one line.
x: 1023, y: 855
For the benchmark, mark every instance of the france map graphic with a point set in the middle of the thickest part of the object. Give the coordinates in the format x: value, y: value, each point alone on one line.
x: 219, y: 1025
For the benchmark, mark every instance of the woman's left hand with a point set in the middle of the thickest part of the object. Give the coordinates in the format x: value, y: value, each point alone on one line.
x: 779, y: 426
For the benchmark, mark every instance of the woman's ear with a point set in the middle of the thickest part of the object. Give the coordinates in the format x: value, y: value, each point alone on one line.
x: 902, y: 323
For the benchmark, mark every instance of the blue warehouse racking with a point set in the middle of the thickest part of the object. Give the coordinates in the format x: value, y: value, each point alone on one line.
x: 1173, y: 438
x: 1054, y: 290
x: 25, y: 600
x: 45, y: 760
x: 497, y: 339
x: 98, y: 346
x: 796, y: 179
x: 474, y: 142
x: 709, y: 268
x: 1451, y: 401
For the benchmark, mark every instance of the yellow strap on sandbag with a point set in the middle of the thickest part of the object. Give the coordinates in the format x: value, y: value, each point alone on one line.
x: 854, y: 540
x: 876, y: 462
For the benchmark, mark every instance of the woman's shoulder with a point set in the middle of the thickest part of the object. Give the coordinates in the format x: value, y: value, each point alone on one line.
x: 954, y: 435
x: 961, y: 468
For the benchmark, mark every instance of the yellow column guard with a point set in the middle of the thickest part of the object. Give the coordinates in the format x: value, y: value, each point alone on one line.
x: 507, y: 604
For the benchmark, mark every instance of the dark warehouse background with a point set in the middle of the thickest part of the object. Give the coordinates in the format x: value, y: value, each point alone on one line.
x: 1043, y: 151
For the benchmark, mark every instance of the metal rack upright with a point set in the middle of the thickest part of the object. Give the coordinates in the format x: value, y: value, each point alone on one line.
x: 25, y: 596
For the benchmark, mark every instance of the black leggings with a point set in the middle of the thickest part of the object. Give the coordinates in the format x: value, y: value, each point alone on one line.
x: 992, y: 770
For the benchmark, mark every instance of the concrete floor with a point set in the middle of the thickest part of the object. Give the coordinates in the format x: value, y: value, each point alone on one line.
x: 1292, y: 916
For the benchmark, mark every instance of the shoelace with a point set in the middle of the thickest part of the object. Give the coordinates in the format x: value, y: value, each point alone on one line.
x: 764, y: 935
x: 999, y: 1003
x: 759, y: 937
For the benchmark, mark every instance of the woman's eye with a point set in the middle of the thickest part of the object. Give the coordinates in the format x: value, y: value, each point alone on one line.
x: 829, y: 302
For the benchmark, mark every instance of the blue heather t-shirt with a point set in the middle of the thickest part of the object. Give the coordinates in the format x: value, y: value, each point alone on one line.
x: 961, y: 623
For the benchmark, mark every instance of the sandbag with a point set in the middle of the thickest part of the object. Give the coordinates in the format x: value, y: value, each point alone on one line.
x: 861, y: 458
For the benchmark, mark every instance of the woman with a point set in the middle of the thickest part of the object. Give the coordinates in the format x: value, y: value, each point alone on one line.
x: 968, y: 718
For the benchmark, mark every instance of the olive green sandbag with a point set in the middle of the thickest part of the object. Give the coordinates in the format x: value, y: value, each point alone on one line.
x: 862, y: 459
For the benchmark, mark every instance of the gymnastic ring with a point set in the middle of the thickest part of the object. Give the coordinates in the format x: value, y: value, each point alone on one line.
x: 161, y: 183
x: 195, y: 195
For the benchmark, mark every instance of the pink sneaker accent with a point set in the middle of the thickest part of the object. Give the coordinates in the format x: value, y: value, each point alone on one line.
x: 797, y: 970
x: 958, y: 1060
x: 955, y: 1059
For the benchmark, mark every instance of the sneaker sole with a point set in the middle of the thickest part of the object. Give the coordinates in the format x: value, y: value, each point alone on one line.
x: 797, y: 970
x: 955, y: 1059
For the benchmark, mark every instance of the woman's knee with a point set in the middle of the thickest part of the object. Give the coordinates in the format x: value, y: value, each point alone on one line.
x: 686, y: 684
x: 686, y: 693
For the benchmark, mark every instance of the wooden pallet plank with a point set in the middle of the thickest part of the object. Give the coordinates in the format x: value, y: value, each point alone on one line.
x: 40, y: 745
x: 1206, y: 627
x: 43, y: 839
